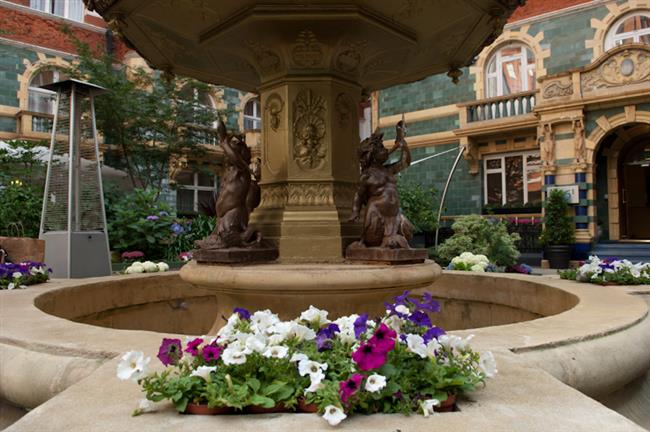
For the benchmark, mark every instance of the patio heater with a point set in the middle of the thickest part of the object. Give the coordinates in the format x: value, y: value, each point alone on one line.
x: 73, y: 221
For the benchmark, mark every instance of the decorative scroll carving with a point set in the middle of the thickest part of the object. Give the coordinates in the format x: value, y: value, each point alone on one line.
x: 547, y: 145
x: 274, y: 196
x: 310, y: 194
x: 349, y: 59
x: 558, y: 89
x: 267, y: 60
x: 625, y: 67
x: 273, y: 108
x: 344, y: 109
x: 307, y: 52
x: 308, y: 130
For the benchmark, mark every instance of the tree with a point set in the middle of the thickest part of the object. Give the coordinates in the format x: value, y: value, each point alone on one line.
x: 149, y: 118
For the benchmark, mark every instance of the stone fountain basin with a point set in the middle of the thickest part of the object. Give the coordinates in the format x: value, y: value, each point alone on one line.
x: 60, y: 343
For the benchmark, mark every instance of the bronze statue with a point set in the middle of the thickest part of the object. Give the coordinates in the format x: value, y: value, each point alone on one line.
x: 239, y: 195
x: 384, y: 225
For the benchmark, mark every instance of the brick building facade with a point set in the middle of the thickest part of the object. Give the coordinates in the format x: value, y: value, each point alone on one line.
x: 561, y: 98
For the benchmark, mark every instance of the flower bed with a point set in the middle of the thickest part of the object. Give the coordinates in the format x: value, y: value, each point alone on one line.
x: 13, y: 276
x: 609, y: 271
x: 467, y: 261
x: 400, y: 363
x: 146, y: 267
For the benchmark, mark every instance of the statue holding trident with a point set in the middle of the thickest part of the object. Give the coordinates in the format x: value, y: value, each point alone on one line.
x: 386, y: 231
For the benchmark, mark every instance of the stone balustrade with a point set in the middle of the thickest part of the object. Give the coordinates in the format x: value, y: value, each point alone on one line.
x: 501, y: 107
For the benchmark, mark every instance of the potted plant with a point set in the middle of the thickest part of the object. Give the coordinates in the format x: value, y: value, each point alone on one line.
x: 558, y: 234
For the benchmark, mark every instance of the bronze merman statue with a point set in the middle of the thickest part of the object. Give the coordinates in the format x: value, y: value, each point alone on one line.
x: 238, y: 196
x: 384, y: 225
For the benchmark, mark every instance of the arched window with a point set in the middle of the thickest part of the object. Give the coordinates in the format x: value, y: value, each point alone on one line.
x: 41, y: 100
x: 510, y: 70
x: 252, y: 115
x: 634, y: 28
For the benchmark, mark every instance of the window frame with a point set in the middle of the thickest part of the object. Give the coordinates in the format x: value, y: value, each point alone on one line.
x: 49, y: 9
x: 256, y: 117
x: 196, y: 189
x: 611, y: 37
x: 41, y: 91
x: 498, y: 59
x: 502, y: 170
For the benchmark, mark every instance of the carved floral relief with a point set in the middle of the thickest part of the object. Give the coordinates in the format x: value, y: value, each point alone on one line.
x: 309, y: 130
x: 626, y: 67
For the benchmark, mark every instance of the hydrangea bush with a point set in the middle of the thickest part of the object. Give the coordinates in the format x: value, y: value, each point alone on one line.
x: 609, y: 271
x: 146, y: 267
x: 13, y: 276
x: 467, y: 261
x: 399, y: 363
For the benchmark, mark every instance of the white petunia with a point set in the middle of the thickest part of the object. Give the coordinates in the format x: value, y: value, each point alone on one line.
x: 146, y: 406
x: 298, y: 357
x: 203, y: 372
x: 402, y: 309
x: 261, y: 320
x: 233, y: 356
x: 150, y: 267
x: 428, y: 405
x: 315, y: 315
x: 393, y: 322
x: 488, y: 364
x: 11, y: 286
x: 346, y: 325
x: 432, y: 347
x: 375, y: 382
x: 316, y: 381
x: 306, y: 367
x: 17, y: 275
x: 132, y: 366
x: 277, y: 351
x: 416, y: 345
x: 333, y: 415
x: 301, y: 332
x: 254, y: 343
x: 162, y: 266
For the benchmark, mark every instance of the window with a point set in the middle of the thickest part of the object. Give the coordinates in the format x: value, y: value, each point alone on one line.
x: 252, y: 115
x: 41, y: 100
x: 513, y: 179
x: 195, y: 191
x: 198, y: 109
x: 510, y: 70
x: 629, y: 29
x: 71, y: 9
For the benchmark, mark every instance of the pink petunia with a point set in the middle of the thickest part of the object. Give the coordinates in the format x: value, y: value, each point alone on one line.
x: 383, y: 339
x: 350, y: 387
x: 193, y: 346
x: 368, y: 356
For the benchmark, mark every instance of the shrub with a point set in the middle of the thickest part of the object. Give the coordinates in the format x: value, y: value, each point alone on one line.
x: 418, y: 204
x: 20, y: 210
x: 481, y: 236
x: 558, y: 224
x: 185, y: 232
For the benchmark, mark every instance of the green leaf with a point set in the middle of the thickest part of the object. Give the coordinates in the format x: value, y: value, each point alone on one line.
x: 262, y: 401
x: 254, y: 384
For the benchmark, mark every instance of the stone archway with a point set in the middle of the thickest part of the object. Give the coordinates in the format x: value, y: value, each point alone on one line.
x: 625, y: 207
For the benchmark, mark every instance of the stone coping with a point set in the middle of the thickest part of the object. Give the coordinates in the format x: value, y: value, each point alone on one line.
x: 596, y: 346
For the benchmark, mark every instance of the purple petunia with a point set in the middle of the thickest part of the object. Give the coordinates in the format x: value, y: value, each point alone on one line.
x: 432, y: 333
x: 211, y: 353
x: 243, y: 313
x: 193, y: 346
x: 427, y: 304
x: 350, y: 387
x: 170, y: 351
x: 325, y: 335
x: 360, y: 325
x: 153, y: 218
x: 420, y: 318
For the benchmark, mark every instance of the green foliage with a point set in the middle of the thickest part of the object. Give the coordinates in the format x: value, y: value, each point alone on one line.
x: 140, y: 221
x: 23, y: 161
x: 20, y: 210
x: 418, y: 204
x: 481, y: 236
x: 186, y: 231
x: 558, y: 224
x: 150, y: 118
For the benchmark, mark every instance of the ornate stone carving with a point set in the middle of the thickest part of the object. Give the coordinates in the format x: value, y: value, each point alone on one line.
x: 345, y: 109
x: 310, y: 194
x: 580, y: 146
x: 349, y: 59
x: 547, y: 145
x: 308, y: 130
x: 267, y: 60
x: 307, y: 52
x: 557, y: 89
x: 273, y: 108
x: 274, y: 196
x: 628, y: 66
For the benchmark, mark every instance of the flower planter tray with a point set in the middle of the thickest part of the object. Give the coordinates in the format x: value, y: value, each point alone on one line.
x: 201, y: 409
x: 22, y: 249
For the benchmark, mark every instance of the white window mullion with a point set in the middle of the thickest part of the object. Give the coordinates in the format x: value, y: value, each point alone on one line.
x: 525, y: 176
x: 503, y: 180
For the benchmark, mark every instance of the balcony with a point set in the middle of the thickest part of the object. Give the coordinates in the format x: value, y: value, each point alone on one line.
x: 500, y: 107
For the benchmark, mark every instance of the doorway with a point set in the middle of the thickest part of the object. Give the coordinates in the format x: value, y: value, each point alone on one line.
x: 634, y: 173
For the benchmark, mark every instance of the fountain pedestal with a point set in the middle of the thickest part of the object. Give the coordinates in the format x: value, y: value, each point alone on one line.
x: 289, y: 289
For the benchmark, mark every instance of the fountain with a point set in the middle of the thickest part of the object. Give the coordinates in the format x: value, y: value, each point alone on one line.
x: 311, y: 63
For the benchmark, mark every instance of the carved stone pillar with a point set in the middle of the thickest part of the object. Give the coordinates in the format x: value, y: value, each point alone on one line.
x: 310, y: 167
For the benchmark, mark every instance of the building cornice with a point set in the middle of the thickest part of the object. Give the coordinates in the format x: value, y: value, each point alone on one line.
x: 548, y: 15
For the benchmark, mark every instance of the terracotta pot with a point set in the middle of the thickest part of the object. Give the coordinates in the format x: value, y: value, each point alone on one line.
x: 256, y: 409
x: 446, y: 405
x: 304, y: 407
x: 203, y: 409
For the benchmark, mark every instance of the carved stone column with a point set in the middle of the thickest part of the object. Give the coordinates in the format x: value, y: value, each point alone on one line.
x: 310, y: 167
